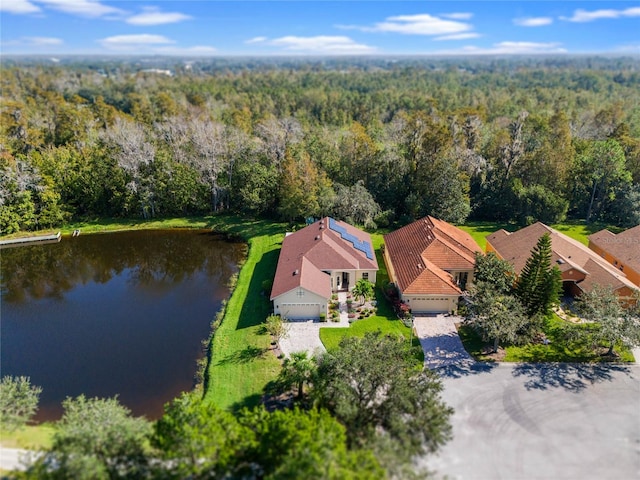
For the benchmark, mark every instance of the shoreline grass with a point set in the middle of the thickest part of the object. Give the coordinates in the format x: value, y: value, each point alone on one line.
x: 29, y: 437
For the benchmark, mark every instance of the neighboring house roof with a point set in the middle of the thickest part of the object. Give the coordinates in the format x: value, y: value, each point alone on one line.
x: 324, y: 245
x: 424, y: 251
x: 567, y: 253
x: 624, y: 246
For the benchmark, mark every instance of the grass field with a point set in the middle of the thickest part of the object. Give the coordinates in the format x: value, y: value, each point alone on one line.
x: 31, y: 437
x: 241, y: 363
x: 578, y: 230
x: 559, y: 348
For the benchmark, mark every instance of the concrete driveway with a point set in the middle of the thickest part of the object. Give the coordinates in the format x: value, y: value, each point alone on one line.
x: 532, y: 421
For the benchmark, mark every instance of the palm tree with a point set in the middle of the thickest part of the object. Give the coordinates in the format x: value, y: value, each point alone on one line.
x: 363, y: 289
x: 296, y: 371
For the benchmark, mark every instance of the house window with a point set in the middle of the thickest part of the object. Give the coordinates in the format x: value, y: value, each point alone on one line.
x: 300, y: 293
x: 365, y: 275
x: 338, y: 280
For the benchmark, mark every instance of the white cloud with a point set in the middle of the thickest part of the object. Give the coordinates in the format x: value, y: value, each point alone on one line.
x: 84, y: 8
x: 153, y: 16
x: 458, y: 16
x: 196, y: 50
x: 34, y: 42
x: 459, y: 36
x: 324, y: 45
x: 255, y: 40
x: 582, y: 16
x: 420, y: 24
x: 124, y: 42
x: 533, y: 21
x: 42, y: 41
x: 509, y: 48
x: 18, y: 6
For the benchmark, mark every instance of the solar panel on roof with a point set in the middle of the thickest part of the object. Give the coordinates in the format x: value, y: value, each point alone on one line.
x: 360, y: 245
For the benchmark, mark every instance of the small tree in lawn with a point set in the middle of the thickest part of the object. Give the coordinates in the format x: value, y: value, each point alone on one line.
x: 296, y: 371
x: 363, y: 289
x: 497, y: 316
x: 276, y: 327
x: 539, y: 284
x: 613, y: 323
x: 18, y: 402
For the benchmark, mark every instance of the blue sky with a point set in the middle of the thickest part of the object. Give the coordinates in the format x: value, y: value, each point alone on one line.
x: 206, y: 27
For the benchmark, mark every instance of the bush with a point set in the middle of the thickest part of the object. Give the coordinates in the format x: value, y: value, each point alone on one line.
x: 266, y: 286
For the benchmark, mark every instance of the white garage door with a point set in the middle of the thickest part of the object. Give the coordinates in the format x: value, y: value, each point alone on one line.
x: 430, y: 304
x: 298, y: 311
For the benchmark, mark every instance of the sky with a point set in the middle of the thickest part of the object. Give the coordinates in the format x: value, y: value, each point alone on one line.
x: 306, y: 27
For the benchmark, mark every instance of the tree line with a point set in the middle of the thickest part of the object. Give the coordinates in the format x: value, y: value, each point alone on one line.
x: 371, y: 143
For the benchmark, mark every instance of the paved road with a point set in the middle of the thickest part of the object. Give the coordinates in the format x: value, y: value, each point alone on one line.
x: 542, y: 422
x: 530, y: 422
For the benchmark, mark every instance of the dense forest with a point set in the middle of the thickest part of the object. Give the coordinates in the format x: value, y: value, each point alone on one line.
x: 371, y: 141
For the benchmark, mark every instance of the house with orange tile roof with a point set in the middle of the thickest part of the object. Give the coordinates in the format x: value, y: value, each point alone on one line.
x: 431, y: 263
x: 324, y: 257
x: 581, y: 267
x: 621, y: 250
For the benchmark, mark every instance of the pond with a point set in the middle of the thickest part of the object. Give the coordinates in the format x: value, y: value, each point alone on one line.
x: 113, y: 314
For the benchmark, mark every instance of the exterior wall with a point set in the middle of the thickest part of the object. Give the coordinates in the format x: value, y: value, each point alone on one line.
x: 435, y: 304
x: 455, y: 273
x: 632, y: 275
x: 390, y: 271
x: 573, y: 275
x: 354, y: 276
x: 626, y: 295
x: 292, y: 297
x: 489, y: 248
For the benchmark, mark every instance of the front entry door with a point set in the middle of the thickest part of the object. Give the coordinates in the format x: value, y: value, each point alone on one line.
x: 345, y: 280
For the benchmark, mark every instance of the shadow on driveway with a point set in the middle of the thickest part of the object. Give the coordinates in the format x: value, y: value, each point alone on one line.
x: 573, y: 377
x: 464, y: 369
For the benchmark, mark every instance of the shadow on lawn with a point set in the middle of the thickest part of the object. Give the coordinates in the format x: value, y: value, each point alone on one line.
x: 573, y: 377
x: 256, y: 306
x: 249, y: 353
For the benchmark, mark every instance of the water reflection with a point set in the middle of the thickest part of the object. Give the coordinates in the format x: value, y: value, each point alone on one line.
x: 112, y: 314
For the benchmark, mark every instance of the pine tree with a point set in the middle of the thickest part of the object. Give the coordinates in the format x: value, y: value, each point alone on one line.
x: 540, y: 283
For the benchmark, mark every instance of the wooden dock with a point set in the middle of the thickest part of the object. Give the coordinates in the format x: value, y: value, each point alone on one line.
x: 35, y: 240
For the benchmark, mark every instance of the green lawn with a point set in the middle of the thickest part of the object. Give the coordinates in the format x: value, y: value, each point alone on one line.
x: 385, y: 320
x: 578, y: 230
x: 241, y: 363
x: 558, y: 350
x: 31, y: 437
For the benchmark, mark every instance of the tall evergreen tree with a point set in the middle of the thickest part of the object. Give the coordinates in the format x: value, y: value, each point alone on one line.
x: 540, y: 283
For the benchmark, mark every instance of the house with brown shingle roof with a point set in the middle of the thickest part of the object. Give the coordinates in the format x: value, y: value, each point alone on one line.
x: 324, y: 257
x: 581, y: 268
x: 431, y: 263
x: 621, y: 250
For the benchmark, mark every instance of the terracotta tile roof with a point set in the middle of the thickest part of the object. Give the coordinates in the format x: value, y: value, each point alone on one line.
x: 624, y: 246
x: 324, y: 245
x: 423, y: 251
x: 432, y: 280
x: 567, y: 253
